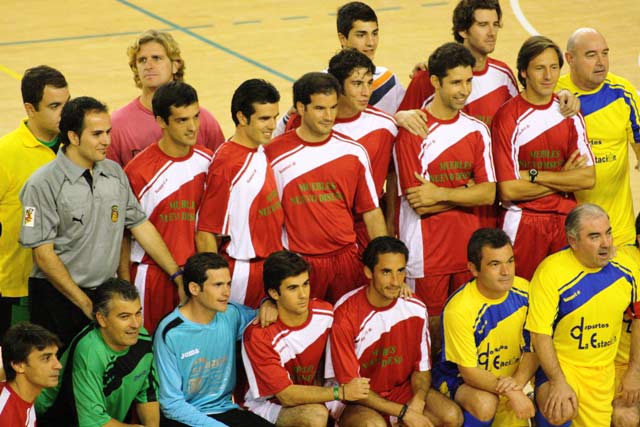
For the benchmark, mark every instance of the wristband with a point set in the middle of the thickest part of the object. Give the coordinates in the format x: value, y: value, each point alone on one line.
x: 403, y: 411
x: 175, y: 275
x: 336, y: 393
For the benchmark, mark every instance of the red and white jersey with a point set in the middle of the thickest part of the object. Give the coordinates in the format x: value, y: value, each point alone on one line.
x: 376, y: 131
x: 278, y: 356
x: 241, y: 201
x: 384, y: 344
x: 134, y: 128
x: 527, y: 136
x: 14, y: 411
x: 455, y: 151
x: 170, y: 191
x: 491, y: 87
x: 321, y: 185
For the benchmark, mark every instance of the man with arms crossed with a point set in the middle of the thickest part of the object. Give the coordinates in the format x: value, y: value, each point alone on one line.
x: 195, y: 350
x: 22, y: 152
x: 486, y: 357
x: 107, y: 368
x: 380, y: 336
x: 323, y: 179
x: 442, y: 177
x: 154, y: 59
x: 168, y: 179
x: 283, y: 359
x: 241, y: 203
x: 541, y: 158
x: 30, y: 364
x: 574, y: 338
x: 75, y: 211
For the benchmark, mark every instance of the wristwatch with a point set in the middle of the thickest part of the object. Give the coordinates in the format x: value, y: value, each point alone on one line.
x: 533, y: 174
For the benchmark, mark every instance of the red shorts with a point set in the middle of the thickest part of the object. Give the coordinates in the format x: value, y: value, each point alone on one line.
x: 434, y: 290
x: 247, y: 286
x: 362, y: 236
x: 158, y: 294
x: 534, y: 237
x: 335, y: 274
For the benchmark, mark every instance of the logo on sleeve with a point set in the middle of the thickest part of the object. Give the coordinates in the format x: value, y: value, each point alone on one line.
x: 29, y: 216
x: 114, y: 213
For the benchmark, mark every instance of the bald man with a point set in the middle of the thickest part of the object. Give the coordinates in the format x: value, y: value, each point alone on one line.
x: 610, y: 106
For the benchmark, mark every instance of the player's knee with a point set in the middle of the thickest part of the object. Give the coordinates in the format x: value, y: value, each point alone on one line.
x: 452, y: 415
x: 625, y: 416
x: 316, y: 415
x: 373, y: 422
x: 483, y: 406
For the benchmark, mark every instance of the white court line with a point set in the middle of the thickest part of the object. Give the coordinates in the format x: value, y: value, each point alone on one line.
x: 515, y: 6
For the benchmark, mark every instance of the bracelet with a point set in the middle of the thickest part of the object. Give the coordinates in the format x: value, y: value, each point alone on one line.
x: 175, y: 275
x: 336, y: 393
x: 403, y: 411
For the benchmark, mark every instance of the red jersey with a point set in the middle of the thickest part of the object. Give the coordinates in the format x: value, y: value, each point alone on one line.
x: 135, y: 128
x: 384, y: 344
x: 278, y: 356
x: 170, y: 191
x: 241, y: 201
x: 455, y: 151
x: 527, y: 136
x: 491, y: 87
x: 14, y: 411
x: 321, y: 185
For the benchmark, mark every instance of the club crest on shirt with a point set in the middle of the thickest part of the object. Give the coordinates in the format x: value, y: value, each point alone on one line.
x: 114, y: 213
x: 29, y: 216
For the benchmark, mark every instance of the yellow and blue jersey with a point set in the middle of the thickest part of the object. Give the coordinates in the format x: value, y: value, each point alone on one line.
x: 582, y: 308
x: 484, y: 333
x: 612, y: 117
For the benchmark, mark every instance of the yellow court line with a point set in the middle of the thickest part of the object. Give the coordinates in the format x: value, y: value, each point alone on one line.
x: 10, y: 72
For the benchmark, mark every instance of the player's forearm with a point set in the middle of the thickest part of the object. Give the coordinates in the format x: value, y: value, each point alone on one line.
x: 420, y: 384
x: 124, y: 271
x: 149, y: 413
x: 153, y: 244
x: 520, y: 190
x: 635, y: 146
x: 547, y: 356
x: 568, y: 181
x: 295, y: 395
x: 634, y: 351
x: 58, y: 275
x: 115, y: 423
x: 475, y: 195
x: 206, y: 242
x: 433, y: 209
x: 374, y: 221
x: 479, y: 378
x: 380, y: 404
x: 526, y: 368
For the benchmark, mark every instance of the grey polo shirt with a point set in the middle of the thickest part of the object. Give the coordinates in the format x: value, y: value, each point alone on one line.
x: 85, y: 227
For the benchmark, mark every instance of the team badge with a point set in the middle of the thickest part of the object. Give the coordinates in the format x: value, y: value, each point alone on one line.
x: 29, y: 216
x: 114, y: 213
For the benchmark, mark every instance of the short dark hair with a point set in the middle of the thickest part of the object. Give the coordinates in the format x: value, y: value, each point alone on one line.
x: 449, y: 56
x: 252, y: 91
x: 195, y: 270
x: 313, y: 83
x: 464, y: 15
x: 351, y: 12
x: 173, y: 94
x: 494, y: 238
x: 35, y: 79
x: 20, y: 340
x: 74, y: 112
x: 383, y: 245
x: 106, y: 292
x: 345, y: 62
x: 279, y: 266
x: 531, y: 48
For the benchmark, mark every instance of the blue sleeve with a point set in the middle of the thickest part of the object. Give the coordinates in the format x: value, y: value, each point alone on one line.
x: 245, y: 316
x: 172, y: 401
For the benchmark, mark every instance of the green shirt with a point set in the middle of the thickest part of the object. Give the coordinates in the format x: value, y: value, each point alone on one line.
x: 102, y: 384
